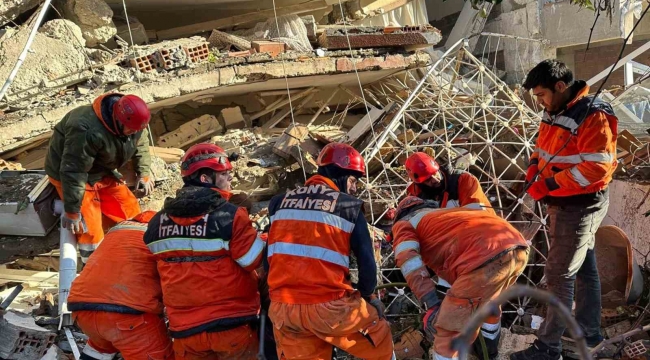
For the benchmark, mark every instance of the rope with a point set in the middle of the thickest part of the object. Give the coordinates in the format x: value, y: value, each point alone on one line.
x: 286, y: 81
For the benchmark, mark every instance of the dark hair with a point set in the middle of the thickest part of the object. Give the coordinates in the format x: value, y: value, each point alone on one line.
x: 547, y: 74
x: 195, y: 177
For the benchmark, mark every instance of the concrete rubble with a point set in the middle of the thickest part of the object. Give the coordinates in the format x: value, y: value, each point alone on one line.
x: 63, y: 30
x: 276, y: 98
x: 94, y: 18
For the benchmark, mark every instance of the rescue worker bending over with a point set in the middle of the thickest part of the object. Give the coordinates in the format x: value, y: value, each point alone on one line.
x: 449, y: 187
x: 313, y: 230
x: 570, y: 170
x: 117, y: 300
x: 479, y: 253
x: 207, y: 251
x: 86, y: 148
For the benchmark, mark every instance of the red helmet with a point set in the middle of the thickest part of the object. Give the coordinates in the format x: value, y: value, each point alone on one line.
x: 204, y: 155
x: 132, y: 112
x: 343, y: 156
x: 420, y: 167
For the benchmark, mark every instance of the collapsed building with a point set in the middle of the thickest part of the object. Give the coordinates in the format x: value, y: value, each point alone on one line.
x: 275, y: 86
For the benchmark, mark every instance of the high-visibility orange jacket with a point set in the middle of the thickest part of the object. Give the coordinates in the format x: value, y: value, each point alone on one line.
x: 461, y: 189
x: 120, y: 276
x: 586, y: 164
x: 451, y: 242
x: 309, y: 244
x: 207, y: 251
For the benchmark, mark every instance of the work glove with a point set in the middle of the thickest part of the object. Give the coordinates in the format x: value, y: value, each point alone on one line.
x: 145, y: 183
x: 428, y: 321
x: 377, y: 304
x: 74, y: 223
x: 538, y: 190
x: 531, y: 173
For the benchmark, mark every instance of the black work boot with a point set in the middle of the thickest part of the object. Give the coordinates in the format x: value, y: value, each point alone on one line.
x: 537, y: 351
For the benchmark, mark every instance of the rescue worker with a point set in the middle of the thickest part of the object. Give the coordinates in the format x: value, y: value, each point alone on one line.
x: 117, y: 300
x: 207, y: 252
x: 86, y: 148
x: 313, y: 231
x: 479, y: 253
x: 450, y: 187
x: 570, y: 170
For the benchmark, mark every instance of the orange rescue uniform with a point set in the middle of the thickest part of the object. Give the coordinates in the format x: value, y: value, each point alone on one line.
x: 207, y: 251
x: 117, y: 299
x: 461, y: 189
x: 109, y: 197
x: 479, y: 253
x: 313, y: 305
x: 584, y: 147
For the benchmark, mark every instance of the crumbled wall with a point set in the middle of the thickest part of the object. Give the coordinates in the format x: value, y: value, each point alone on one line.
x: 94, y: 17
x: 48, y: 60
x: 624, y: 198
x: 11, y: 9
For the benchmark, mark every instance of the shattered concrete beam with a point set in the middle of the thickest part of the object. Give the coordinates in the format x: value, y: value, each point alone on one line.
x: 192, y: 29
x: 372, y: 37
x: 38, y: 120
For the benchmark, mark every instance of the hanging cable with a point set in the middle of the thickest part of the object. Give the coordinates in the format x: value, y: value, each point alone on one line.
x: 286, y: 81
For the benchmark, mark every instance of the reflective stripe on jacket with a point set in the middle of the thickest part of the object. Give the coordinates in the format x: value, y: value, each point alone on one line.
x: 451, y: 242
x: 206, y: 262
x: 588, y: 161
x: 309, y: 243
x: 462, y: 189
x: 120, y: 276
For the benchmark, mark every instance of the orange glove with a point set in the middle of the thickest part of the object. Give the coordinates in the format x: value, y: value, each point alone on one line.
x: 531, y: 173
x: 538, y: 190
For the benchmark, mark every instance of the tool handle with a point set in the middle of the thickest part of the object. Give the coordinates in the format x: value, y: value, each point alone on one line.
x: 260, y: 355
x: 5, y: 304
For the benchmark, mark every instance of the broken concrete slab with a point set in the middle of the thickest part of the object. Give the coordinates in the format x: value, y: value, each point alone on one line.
x: 11, y: 9
x: 232, y: 118
x: 49, y: 60
x: 369, y: 37
x: 22, y: 338
x: 222, y: 40
x: 94, y: 17
x: 63, y: 30
x: 171, y: 88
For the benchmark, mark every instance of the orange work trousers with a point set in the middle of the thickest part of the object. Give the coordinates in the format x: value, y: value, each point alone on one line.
x: 136, y: 337
x: 240, y: 343
x: 109, y: 197
x: 349, y: 323
x: 468, y: 292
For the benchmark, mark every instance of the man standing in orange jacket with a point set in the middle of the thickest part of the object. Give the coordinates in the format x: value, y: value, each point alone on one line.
x: 314, y: 229
x: 117, y: 300
x: 570, y: 169
x: 450, y: 187
x: 207, y: 252
x: 87, y: 147
x: 479, y: 253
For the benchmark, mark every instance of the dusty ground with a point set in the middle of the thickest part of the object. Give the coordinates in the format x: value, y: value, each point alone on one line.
x: 12, y: 247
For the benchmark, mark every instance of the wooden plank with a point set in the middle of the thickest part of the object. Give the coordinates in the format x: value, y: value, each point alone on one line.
x: 628, y: 142
x: 34, y: 278
x: 278, y: 117
x: 184, y: 31
x: 363, y: 126
x: 23, y: 143
x: 292, y: 136
x: 34, y: 159
x: 35, y: 142
x: 322, y: 107
x: 169, y: 155
x: 190, y: 132
x: 280, y: 103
